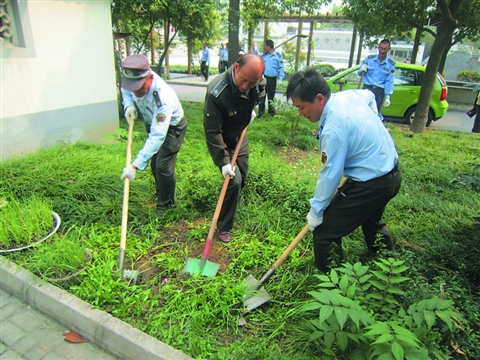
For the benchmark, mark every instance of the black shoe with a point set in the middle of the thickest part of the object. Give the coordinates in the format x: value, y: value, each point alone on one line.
x: 161, y: 211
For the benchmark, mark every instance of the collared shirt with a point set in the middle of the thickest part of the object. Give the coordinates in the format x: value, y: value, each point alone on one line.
x: 255, y: 51
x: 205, y: 55
x: 223, y: 54
x: 160, y: 117
x: 379, y: 74
x: 352, y: 143
x: 274, y: 65
x: 226, y: 114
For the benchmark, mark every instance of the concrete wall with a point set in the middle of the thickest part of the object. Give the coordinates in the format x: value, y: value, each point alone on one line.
x: 58, y: 85
x: 460, y: 94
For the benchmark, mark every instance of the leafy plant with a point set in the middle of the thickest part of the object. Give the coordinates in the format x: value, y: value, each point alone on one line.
x: 468, y: 76
x: 364, y: 312
x: 24, y: 222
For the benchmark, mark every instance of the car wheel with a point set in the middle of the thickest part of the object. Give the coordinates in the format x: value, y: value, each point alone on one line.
x: 410, y: 114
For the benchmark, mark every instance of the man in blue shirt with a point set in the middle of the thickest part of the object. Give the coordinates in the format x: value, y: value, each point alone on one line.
x: 378, y: 74
x: 353, y: 143
x: 223, y: 58
x: 164, y: 121
x: 273, y: 71
x: 205, y: 62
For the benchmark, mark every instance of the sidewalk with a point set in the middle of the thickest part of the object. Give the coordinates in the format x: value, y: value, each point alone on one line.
x: 34, y: 315
x: 185, y: 79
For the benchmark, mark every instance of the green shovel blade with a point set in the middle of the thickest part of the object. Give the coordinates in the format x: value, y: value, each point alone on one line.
x: 192, y: 267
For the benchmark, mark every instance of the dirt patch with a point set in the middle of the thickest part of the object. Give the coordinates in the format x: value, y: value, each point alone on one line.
x: 174, y: 240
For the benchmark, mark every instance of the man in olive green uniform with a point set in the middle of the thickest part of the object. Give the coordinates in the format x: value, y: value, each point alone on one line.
x: 229, y: 103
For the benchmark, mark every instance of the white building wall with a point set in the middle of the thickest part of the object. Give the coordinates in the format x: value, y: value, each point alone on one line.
x: 59, y: 85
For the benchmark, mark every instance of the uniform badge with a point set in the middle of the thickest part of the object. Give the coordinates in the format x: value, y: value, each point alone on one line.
x: 324, y: 158
x: 159, y: 118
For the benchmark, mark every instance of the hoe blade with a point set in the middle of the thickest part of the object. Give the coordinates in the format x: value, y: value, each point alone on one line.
x: 259, y: 296
x: 192, y: 267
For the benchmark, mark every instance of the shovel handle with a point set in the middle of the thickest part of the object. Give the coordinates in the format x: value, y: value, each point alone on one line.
x: 223, y: 192
x: 290, y: 247
x: 282, y: 257
x: 361, y: 79
x: 126, y: 194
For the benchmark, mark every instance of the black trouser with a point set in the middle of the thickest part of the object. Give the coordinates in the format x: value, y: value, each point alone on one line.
x: 356, y: 204
x: 163, y: 164
x: 234, y: 190
x: 476, y: 122
x: 204, y: 69
x: 379, y: 94
x: 270, y: 90
x: 223, y: 66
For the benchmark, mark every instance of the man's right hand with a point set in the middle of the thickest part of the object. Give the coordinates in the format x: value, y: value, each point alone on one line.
x: 129, y: 172
x: 363, y: 68
x: 130, y: 114
x: 228, y: 170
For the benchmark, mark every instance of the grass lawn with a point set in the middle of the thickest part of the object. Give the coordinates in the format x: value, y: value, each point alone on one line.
x: 434, y: 221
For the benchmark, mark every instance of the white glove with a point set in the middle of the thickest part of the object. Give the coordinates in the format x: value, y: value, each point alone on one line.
x: 207, y: 63
x: 228, y: 170
x: 363, y: 68
x: 313, y: 222
x: 129, y: 172
x: 130, y: 114
x: 386, y: 102
x: 254, y: 115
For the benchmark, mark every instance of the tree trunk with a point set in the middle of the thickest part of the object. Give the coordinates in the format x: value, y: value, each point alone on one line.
x: 442, y: 40
x: 251, y: 31
x: 233, y: 29
x: 310, y: 42
x: 416, y: 44
x: 189, y: 53
x: 352, y: 47
x: 443, y: 60
x: 299, y: 44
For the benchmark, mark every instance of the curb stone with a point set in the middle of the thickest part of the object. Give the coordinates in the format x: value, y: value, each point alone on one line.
x: 98, y: 327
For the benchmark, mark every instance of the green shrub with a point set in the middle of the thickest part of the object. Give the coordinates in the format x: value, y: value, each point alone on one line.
x: 468, y: 76
x: 366, y: 313
x: 326, y: 70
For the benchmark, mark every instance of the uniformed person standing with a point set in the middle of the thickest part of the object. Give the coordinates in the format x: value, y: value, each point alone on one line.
x: 205, y: 61
x: 273, y: 71
x: 379, y: 74
x: 229, y: 104
x: 354, y: 143
x: 164, y: 121
x: 223, y: 59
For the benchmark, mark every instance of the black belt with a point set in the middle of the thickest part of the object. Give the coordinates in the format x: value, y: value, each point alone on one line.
x: 270, y: 77
x: 373, y: 86
x: 394, y: 170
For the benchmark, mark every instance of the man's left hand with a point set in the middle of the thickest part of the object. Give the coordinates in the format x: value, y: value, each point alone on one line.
x: 386, y: 102
x: 254, y: 115
x: 313, y: 222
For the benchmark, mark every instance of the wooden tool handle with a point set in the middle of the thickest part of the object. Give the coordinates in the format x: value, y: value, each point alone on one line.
x: 126, y: 195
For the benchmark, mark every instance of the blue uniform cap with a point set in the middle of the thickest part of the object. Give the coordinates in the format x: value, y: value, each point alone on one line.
x: 135, y: 70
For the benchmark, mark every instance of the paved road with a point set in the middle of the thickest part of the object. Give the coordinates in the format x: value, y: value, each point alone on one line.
x: 192, y: 88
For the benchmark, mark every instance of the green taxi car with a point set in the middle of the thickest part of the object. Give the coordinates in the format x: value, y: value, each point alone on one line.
x: 407, y: 84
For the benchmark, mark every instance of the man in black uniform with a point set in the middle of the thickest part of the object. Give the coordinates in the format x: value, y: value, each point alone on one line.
x: 229, y: 103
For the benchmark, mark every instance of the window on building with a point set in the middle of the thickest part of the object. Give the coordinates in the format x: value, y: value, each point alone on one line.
x: 10, y: 30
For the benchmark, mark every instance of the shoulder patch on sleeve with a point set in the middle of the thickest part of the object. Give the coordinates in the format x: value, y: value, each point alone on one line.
x: 371, y: 56
x: 218, y: 89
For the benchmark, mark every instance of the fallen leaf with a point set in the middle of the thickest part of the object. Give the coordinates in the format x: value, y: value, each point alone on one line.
x: 73, y: 337
x: 43, y: 347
